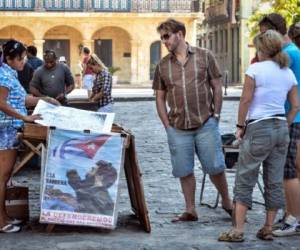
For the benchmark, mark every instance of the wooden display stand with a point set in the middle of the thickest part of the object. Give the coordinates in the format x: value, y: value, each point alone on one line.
x: 35, y: 136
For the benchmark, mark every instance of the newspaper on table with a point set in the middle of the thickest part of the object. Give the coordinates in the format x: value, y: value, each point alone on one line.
x: 73, y: 119
x: 81, y: 178
x: 78, y: 94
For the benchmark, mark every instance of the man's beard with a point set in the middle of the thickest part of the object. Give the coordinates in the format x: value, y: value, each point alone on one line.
x: 172, y: 48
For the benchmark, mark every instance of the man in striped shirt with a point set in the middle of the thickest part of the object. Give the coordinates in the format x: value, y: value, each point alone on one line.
x: 189, y: 80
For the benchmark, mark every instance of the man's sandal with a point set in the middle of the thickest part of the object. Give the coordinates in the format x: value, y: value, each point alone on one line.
x: 231, y: 236
x: 185, y: 217
x: 264, y: 234
x: 9, y: 228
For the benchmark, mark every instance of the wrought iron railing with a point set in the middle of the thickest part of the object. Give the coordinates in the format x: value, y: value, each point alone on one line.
x: 160, y: 5
x: 102, y: 5
x: 164, y: 6
x: 64, y: 5
x: 112, y: 5
x: 17, y: 5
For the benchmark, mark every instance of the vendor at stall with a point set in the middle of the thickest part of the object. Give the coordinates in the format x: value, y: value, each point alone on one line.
x: 101, y: 91
x: 13, y: 114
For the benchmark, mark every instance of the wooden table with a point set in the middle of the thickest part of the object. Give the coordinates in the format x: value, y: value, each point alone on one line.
x: 83, y: 104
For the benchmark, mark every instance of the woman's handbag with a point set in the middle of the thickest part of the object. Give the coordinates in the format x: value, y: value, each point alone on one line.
x: 16, y: 202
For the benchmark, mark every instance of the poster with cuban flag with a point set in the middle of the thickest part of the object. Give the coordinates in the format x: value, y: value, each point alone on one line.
x: 81, y: 178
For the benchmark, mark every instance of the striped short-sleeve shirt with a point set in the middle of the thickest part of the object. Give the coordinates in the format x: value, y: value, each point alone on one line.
x: 16, y: 96
x: 188, y: 88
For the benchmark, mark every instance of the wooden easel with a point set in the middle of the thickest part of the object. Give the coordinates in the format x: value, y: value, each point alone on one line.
x: 131, y: 167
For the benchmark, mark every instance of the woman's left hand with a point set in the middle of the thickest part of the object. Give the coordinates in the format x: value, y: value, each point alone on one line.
x: 239, y: 133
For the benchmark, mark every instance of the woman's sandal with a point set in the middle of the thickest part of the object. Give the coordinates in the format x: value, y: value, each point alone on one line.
x: 9, y: 228
x: 231, y: 236
x: 264, y: 234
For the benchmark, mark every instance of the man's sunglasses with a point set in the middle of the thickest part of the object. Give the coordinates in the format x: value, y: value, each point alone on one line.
x: 165, y: 36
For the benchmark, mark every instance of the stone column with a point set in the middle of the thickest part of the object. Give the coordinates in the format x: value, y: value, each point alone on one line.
x: 245, y: 12
x: 39, y: 43
x: 135, y: 44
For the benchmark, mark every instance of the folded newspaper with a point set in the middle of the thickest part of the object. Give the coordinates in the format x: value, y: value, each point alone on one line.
x: 73, y: 119
x: 78, y: 94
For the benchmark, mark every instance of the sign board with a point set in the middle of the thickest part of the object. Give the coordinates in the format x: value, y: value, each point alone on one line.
x: 81, y: 178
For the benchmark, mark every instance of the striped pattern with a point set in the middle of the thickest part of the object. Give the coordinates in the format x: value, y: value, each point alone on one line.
x: 16, y: 96
x: 189, y: 93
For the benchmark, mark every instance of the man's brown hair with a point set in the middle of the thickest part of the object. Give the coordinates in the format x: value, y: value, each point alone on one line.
x: 172, y: 25
x: 274, y: 21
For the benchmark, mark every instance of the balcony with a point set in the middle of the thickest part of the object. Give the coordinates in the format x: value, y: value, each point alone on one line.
x: 165, y: 6
x: 65, y: 5
x: 17, y: 5
x: 139, y: 6
x: 111, y: 5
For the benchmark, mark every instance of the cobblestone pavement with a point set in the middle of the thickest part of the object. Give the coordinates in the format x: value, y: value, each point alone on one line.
x: 163, y: 196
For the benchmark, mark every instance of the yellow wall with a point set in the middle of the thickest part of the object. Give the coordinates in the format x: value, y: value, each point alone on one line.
x: 120, y: 45
x: 18, y: 33
x: 75, y: 38
x: 131, y: 33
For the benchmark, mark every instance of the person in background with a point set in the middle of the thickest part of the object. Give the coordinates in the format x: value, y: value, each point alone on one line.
x: 268, y: 83
x: 13, y: 114
x: 32, y: 59
x: 25, y: 76
x: 52, y: 79
x: 101, y: 91
x: 62, y: 59
x: 294, y: 33
x: 87, y: 72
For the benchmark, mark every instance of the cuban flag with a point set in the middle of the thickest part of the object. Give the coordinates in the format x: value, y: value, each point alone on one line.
x: 86, y: 147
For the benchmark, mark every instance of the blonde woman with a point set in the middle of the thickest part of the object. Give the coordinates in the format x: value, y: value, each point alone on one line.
x: 268, y: 83
x: 101, y: 91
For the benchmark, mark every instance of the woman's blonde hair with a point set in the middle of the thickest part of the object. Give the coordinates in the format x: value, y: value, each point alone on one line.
x: 270, y: 44
x: 95, y: 60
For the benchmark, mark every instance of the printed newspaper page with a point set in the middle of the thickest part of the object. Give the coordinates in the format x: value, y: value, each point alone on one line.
x: 73, y: 119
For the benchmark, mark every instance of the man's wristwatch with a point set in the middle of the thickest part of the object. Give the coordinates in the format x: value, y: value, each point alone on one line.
x: 240, y: 126
x: 217, y: 116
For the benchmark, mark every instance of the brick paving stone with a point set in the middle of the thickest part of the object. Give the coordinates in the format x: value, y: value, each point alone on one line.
x: 163, y: 197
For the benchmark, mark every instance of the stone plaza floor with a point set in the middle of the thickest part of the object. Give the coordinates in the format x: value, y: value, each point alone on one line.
x: 163, y: 196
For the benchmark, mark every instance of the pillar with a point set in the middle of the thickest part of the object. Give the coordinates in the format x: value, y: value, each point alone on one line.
x: 39, y: 44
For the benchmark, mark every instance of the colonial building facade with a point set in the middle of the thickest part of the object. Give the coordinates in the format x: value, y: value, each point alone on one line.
x: 220, y: 32
x: 224, y: 30
x: 122, y: 32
